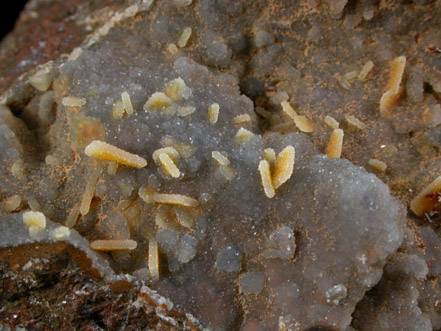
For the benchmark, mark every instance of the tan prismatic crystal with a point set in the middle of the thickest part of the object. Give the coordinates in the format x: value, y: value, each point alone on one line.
x: 213, y: 113
x: 288, y: 109
x: 118, y: 110
x: 426, y: 200
x: 388, y: 102
x: 153, y: 262
x: 303, y: 123
x: 112, y: 168
x: 185, y: 111
x: 42, y: 79
x: 18, y: 169
x: 227, y: 172
x: 60, y: 232
x: 184, y: 216
x: 243, y: 135
x: 146, y: 194
x: 72, y: 217
x: 170, y: 151
x: 73, y: 102
x: 113, y: 245
x: 220, y: 158
x: 396, y: 74
x: 241, y: 119
x: 355, y: 122
x: 184, y: 150
x: 390, y: 98
x: 167, y: 158
x: 365, y: 70
x: 89, y: 191
x: 177, y: 90
x: 335, y: 144
x: 265, y: 175
x: 103, y: 151
x: 378, y: 165
x: 185, y: 37
x: 350, y: 75
x: 331, y: 122
x: 172, y: 49
x: 12, y: 203
x: 33, y: 203
x: 168, y: 165
x: 158, y: 101
x: 127, y: 103
x: 164, y: 219
x: 344, y: 81
x: 35, y: 221
x: 175, y: 199
x: 283, y: 166
x: 269, y: 154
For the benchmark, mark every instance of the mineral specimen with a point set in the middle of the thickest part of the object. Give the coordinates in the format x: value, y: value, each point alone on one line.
x: 187, y: 158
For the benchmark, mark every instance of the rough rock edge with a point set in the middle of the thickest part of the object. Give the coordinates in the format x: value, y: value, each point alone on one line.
x: 13, y: 233
x: 75, y: 239
x: 115, y: 17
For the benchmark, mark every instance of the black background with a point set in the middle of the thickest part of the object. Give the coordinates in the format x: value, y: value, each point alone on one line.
x: 9, y: 12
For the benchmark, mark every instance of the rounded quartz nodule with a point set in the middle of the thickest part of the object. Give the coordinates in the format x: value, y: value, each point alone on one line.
x: 251, y: 282
x: 229, y: 259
